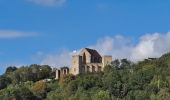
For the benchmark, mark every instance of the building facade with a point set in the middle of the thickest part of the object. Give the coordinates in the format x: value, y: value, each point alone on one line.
x: 61, y: 72
x: 87, y: 61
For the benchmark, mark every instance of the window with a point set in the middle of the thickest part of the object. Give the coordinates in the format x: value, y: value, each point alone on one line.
x: 81, y: 60
x: 93, y: 68
x: 88, y: 69
x: 64, y: 71
x: 84, y: 58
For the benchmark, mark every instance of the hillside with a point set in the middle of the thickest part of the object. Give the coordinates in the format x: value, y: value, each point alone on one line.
x: 122, y: 80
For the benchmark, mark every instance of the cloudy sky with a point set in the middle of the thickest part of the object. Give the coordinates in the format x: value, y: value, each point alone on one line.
x: 48, y: 31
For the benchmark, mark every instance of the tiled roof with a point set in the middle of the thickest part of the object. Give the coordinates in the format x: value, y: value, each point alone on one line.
x: 93, y: 52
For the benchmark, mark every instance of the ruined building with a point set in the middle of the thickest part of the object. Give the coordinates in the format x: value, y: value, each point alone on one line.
x: 61, y: 72
x: 88, y: 60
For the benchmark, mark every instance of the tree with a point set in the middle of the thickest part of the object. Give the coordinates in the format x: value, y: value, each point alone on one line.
x: 125, y: 63
x: 112, y: 83
x: 10, y: 69
x: 56, y: 95
x: 40, y: 72
x: 116, y: 63
x: 4, y: 81
x: 40, y: 89
x: 137, y: 95
x: 163, y: 94
x: 108, y: 69
x: 71, y: 88
x: 140, y: 79
x: 82, y: 94
x: 19, y: 93
x: 66, y: 79
x: 101, y: 95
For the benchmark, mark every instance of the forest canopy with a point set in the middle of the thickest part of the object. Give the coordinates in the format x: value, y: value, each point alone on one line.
x: 121, y: 80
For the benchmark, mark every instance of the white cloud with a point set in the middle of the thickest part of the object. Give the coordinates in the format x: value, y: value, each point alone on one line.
x: 6, y: 34
x: 48, y: 2
x: 117, y: 46
x: 57, y: 59
x: 149, y: 45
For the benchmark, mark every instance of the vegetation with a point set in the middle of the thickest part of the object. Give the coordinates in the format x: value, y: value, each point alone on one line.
x: 122, y: 80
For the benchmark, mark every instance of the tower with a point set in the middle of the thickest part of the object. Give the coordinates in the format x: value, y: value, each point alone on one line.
x: 106, y: 60
x: 76, y: 63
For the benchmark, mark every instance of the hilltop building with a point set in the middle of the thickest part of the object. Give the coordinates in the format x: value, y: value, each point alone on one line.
x: 61, y: 72
x: 88, y: 60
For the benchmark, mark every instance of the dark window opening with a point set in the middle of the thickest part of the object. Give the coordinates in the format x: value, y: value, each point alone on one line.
x: 93, y: 68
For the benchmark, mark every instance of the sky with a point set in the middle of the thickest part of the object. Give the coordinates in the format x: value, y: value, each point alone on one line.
x: 50, y: 31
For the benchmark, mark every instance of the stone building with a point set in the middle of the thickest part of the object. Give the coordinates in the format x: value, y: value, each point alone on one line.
x: 61, y: 72
x: 88, y: 60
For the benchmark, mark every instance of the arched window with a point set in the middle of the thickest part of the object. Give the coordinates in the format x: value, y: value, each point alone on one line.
x: 65, y: 72
x: 88, y: 69
x: 84, y: 58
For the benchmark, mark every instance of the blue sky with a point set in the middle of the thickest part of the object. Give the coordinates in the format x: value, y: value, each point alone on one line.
x: 33, y: 30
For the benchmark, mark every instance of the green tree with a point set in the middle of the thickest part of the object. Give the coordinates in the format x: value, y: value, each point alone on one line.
x: 66, y: 79
x: 163, y: 94
x: 10, y: 69
x: 101, y: 95
x: 40, y: 89
x: 4, y: 81
x: 19, y: 93
x: 112, y: 82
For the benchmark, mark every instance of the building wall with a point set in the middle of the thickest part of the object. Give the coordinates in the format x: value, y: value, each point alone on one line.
x: 84, y: 63
x: 61, y: 72
x: 64, y: 71
x: 93, y: 67
x: 57, y: 74
x: 86, y: 57
x: 76, y: 63
x: 106, y: 60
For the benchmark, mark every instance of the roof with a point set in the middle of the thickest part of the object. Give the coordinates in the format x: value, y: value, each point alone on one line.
x: 93, y: 52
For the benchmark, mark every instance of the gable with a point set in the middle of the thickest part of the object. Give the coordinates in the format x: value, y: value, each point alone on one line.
x: 93, y: 52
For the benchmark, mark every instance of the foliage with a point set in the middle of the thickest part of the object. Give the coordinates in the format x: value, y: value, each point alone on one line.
x: 18, y: 92
x: 4, y: 81
x: 40, y: 89
x: 10, y: 69
x: 101, y: 95
x: 121, y: 80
